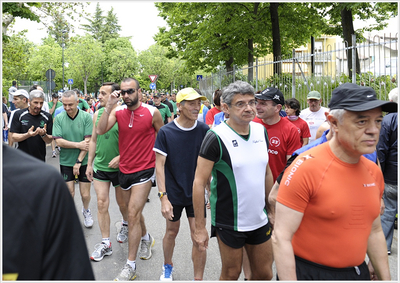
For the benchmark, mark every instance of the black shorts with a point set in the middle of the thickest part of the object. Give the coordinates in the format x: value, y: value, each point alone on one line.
x: 237, y: 240
x: 307, y: 270
x: 177, y: 210
x: 68, y: 175
x: 128, y: 180
x: 104, y: 176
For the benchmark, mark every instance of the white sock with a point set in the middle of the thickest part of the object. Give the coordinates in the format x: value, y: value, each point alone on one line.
x: 132, y: 263
x: 146, y: 237
x: 124, y: 222
x: 106, y: 241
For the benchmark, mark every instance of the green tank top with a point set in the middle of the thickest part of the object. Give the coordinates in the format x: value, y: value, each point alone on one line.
x: 106, y: 147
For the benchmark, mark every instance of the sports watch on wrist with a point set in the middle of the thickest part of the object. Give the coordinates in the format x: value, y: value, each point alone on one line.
x: 78, y: 161
x: 161, y: 194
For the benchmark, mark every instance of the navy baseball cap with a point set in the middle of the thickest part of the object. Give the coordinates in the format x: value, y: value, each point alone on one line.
x: 273, y: 94
x: 353, y: 97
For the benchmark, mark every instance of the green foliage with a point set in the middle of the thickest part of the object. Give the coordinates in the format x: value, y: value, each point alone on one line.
x: 84, y: 57
x: 16, y: 53
x: 44, y: 57
x: 102, y: 28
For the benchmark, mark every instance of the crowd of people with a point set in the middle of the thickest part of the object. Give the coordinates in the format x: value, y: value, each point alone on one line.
x: 313, y: 189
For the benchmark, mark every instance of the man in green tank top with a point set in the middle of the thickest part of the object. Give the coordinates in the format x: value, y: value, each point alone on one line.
x: 102, y: 169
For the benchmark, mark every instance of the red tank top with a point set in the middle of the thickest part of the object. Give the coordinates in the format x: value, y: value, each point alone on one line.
x: 136, y: 138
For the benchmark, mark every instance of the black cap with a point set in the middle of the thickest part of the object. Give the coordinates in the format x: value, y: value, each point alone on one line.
x: 157, y: 95
x: 353, y: 97
x: 273, y: 94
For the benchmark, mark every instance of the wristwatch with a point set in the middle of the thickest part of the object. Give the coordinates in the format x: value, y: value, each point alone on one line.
x: 78, y: 161
x: 161, y: 194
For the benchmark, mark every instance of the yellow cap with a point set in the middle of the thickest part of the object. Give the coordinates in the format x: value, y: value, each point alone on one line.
x: 188, y: 94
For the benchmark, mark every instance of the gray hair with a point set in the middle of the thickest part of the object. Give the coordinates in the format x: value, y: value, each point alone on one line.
x: 70, y: 93
x: 235, y: 88
x: 338, y: 114
x: 36, y: 94
x: 393, y: 95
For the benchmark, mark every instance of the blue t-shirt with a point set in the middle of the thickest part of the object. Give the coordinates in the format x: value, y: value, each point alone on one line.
x: 322, y: 139
x: 181, y: 147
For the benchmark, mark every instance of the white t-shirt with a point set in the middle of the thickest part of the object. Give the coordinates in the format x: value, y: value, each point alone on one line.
x: 45, y: 107
x: 314, y: 120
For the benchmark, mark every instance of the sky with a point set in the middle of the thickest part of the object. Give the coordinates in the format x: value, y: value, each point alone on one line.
x: 138, y: 19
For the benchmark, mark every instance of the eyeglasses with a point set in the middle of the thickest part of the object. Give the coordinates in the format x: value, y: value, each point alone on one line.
x: 242, y: 104
x: 128, y: 91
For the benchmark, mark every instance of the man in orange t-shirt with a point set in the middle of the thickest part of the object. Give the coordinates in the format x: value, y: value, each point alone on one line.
x: 328, y: 204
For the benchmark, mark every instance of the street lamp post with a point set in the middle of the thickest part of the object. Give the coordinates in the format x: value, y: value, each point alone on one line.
x: 63, y: 45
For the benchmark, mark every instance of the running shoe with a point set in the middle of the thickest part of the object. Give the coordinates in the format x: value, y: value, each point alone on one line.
x: 127, y: 273
x: 100, y: 250
x: 58, y: 148
x: 145, y: 248
x: 88, y: 219
x: 122, y: 235
x: 166, y: 272
x: 54, y: 154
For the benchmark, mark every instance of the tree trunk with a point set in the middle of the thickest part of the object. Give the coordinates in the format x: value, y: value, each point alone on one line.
x: 250, y: 59
x: 348, y: 30
x: 229, y: 65
x: 276, y: 37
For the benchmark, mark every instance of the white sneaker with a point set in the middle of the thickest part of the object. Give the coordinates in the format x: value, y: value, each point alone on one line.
x: 88, y: 219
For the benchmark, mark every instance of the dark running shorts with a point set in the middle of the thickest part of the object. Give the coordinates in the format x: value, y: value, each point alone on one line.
x: 104, y: 176
x: 307, y: 270
x: 68, y: 175
x: 128, y: 180
x: 237, y: 240
x: 177, y: 210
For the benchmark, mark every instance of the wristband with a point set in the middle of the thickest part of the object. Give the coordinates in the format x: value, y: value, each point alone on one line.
x: 43, y: 136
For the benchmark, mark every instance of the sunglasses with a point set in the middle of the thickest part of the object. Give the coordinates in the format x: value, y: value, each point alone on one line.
x: 128, y: 91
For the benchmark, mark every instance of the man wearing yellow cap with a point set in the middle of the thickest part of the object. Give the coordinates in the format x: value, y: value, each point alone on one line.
x: 177, y: 147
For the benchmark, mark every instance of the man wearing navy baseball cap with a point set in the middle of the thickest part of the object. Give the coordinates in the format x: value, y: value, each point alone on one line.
x: 284, y: 137
x: 328, y: 204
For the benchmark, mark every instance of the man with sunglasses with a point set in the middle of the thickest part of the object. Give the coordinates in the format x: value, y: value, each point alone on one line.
x: 138, y: 125
x: 284, y: 137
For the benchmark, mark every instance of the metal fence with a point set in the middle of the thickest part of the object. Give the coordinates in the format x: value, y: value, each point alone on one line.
x: 323, y: 70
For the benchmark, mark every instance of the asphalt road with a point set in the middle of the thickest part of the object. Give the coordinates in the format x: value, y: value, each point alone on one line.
x: 151, y: 269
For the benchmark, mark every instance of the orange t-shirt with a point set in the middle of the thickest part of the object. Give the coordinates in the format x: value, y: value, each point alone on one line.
x: 339, y: 202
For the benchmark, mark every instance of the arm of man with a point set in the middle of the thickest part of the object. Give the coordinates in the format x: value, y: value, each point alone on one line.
x: 274, y: 191
x: 108, y: 119
x: 157, y: 120
x: 203, y: 172
x: 287, y: 222
x: 92, y: 150
x: 305, y: 141
x: 5, y: 117
x: 166, y: 206
x: 269, y: 182
x: 377, y: 251
x: 81, y: 156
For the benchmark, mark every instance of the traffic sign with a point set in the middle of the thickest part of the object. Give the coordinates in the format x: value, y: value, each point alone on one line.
x: 51, y: 85
x: 199, y: 77
x: 153, y: 78
x: 50, y: 74
x: 70, y: 81
x: 152, y: 86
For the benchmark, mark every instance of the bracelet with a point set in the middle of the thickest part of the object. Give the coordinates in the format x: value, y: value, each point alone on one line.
x: 43, y: 136
x: 105, y: 110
